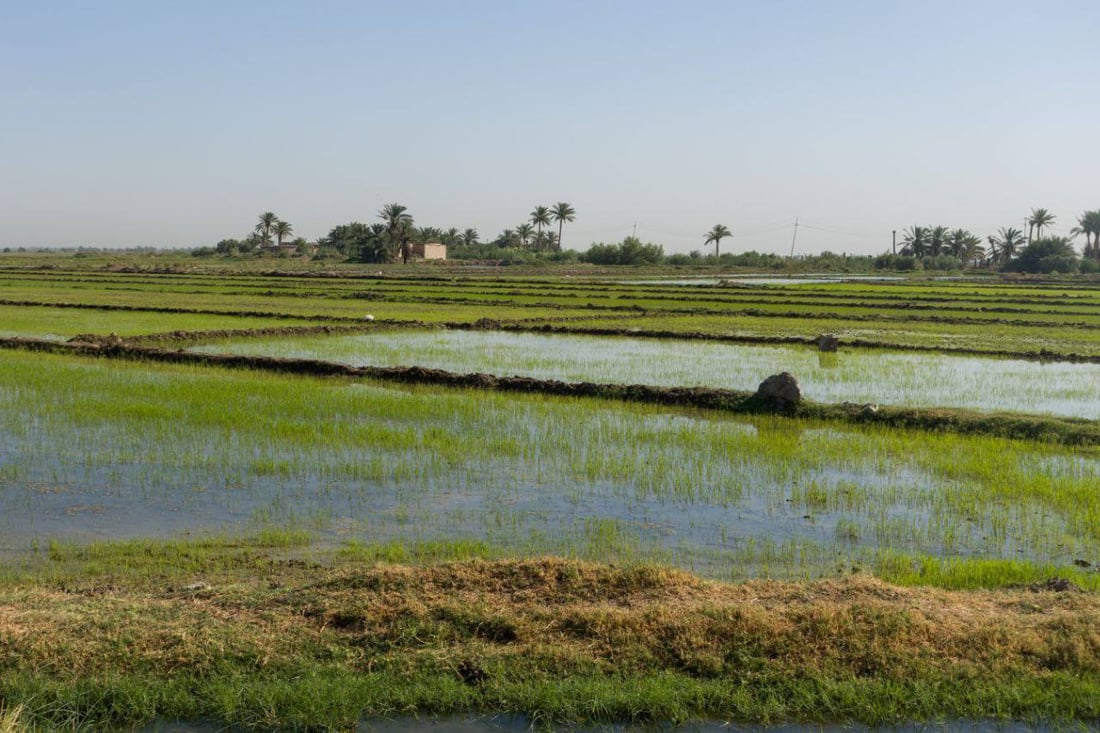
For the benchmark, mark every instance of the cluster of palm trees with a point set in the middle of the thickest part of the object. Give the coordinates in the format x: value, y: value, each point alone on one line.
x: 1003, y: 247
x: 399, y: 231
x: 451, y: 237
x: 272, y: 225
x: 937, y: 241
x: 1088, y: 224
x: 530, y: 232
x: 392, y: 237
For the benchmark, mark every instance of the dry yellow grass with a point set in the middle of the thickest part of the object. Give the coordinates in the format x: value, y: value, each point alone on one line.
x: 548, y: 616
x: 9, y: 719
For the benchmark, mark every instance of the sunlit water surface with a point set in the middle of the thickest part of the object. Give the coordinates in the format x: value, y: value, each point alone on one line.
x: 859, y: 376
x: 98, y: 452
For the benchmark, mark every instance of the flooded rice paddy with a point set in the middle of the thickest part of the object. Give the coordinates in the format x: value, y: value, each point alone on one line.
x: 96, y: 450
x: 861, y: 376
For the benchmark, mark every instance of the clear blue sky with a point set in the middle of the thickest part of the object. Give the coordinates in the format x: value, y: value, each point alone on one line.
x: 176, y: 124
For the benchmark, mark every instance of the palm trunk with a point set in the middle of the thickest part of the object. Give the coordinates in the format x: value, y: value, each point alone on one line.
x: 561, y: 223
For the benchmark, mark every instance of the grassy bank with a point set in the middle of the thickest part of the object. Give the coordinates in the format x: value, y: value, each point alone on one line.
x: 260, y: 636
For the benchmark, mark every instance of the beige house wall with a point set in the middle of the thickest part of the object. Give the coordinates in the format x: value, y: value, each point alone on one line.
x: 430, y: 251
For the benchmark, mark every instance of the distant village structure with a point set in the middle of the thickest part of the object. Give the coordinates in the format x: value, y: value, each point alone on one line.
x: 429, y: 251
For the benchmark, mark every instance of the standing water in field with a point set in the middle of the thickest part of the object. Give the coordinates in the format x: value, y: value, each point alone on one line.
x: 892, y: 378
x: 106, y: 450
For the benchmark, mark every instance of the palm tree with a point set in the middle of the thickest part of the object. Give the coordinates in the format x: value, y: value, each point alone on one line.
x: 509, y: 238
x: 539, y: 217
x: 524, y: 232
x: 975, y: 254
x: 1089, y: 225
x: 1039, y: 218
x: 993, y: 254
x: 469, y: 237
x: 399, y: 223
x: 937, y: 241
x: 430, y: 234
x: 267, y: 223
x: 914, y: 242
x: 546, y: 241
x: 282, y: 230
x: 1006, y: 243
x: 962, y: 245
x: 451, y: 236
x: 716, y: 235
x: 562, y: 212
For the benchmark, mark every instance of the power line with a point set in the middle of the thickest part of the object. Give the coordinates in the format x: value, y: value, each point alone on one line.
x: 844, y: 234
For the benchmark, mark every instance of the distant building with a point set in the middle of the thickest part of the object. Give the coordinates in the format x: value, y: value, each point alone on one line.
x: 429, y: 251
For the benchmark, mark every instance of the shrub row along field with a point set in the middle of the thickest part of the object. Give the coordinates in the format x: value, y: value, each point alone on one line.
x: 263, y: 548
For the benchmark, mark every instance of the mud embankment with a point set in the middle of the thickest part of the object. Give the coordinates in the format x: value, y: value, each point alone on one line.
x: 1067, y: 431
x: 903, y: 310
x: 274, y: 315
x: 486, y: 324
x: 218, y: 334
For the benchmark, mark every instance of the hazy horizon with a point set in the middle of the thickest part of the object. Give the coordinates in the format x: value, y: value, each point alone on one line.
x: 129, y: 124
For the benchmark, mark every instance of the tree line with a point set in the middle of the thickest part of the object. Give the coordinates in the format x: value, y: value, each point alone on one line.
x: 394, y: 235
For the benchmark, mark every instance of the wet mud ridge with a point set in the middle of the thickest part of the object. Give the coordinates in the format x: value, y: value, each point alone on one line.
x: 486, y: 324
x: 1060, y: 430
x: 173, y: 309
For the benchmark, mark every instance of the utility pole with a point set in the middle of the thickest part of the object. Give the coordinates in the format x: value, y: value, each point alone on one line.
x: 894, y: 240
x: 634, y: 234
x: 794, y: 236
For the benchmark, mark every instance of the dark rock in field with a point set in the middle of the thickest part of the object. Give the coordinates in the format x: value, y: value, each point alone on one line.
x: 779, y: 391
x: 472, y: 674
x: 1082, y: 563
x: 827, y: 342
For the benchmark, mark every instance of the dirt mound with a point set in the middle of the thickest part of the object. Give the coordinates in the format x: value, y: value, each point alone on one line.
x: 97, y: 340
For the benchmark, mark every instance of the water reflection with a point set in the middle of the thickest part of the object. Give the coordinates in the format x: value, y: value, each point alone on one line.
x: 908, y: 379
